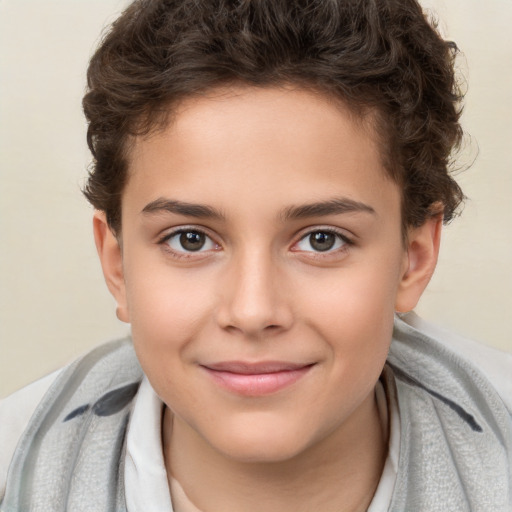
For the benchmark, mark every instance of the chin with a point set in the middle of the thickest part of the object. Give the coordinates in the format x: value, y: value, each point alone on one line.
x: 262, y: 453
x: 260, y: 444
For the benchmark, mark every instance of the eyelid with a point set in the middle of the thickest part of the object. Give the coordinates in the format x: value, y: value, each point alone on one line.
x: 177, y: 230
x: 347, y: 240
x: 170, y: 232
x: 325, y: 228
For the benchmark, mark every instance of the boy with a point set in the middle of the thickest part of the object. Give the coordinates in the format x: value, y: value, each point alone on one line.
x: 270, y: 182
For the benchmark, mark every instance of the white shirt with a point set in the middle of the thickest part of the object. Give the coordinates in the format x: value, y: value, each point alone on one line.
x: 146, y: 477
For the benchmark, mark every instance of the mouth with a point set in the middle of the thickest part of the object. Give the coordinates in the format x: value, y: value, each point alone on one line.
x: 256, y: 379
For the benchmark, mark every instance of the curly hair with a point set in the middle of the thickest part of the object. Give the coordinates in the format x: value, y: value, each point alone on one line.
x: 378, y: 56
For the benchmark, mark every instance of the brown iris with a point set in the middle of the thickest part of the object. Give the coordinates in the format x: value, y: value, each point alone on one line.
x: 322, y: 240
x: 192, y: 240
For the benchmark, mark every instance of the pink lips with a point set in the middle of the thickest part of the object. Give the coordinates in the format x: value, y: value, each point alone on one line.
x: 256, y: 379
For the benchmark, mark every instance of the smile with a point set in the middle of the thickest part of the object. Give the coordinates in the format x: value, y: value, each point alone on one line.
x: 256, y: 379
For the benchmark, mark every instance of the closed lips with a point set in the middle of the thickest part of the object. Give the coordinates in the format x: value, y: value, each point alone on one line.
x: 255, y: 368
x: 256, y: 379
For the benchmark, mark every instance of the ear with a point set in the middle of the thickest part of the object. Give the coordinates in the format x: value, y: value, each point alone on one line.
x: 111, y: 259
x: 421, y: 259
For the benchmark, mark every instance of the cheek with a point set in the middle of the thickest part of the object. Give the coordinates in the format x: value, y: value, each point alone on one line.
x: 165, y: 321
x: 357, y: 297
x: 354, y: 311
x: 167, y: 309
x: 159, y: 294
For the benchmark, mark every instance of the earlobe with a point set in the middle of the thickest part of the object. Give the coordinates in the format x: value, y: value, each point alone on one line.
x: 422, y: 252
x: 109, y: 252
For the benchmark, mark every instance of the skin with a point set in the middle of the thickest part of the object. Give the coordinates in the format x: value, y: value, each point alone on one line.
x: 260, y: 290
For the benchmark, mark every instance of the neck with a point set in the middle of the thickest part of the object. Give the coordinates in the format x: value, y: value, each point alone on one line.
x: 339, y: 473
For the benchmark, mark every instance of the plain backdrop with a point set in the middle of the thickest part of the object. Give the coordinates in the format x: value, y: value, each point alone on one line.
x: 53, y: 302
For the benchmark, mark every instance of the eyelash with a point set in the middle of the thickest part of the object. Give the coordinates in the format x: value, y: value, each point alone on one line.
x: 164, y: 242
x: 341, y: 236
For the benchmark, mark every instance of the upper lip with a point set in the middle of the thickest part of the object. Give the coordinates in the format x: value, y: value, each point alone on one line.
x: 249, y: 368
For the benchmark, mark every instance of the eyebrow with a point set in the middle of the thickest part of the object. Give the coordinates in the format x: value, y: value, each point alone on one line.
x: 322, y: 208
x: 200, y: 211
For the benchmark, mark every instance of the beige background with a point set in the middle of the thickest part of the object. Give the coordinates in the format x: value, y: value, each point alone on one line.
x: 53, y: 303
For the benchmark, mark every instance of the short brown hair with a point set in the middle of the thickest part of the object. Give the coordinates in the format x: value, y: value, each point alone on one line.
x: 377, y: 55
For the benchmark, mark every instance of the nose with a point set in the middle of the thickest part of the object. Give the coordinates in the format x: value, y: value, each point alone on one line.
x: 255, y: 301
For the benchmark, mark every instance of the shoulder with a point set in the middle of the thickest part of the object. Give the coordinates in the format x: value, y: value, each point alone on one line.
x: 42, y: 421
x: 455, y: 420
x: 78, y: 428
x: 494, y: 364
x: 15, y: 413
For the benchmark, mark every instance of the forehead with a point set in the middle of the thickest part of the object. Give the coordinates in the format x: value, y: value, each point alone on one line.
x: 275, y: 142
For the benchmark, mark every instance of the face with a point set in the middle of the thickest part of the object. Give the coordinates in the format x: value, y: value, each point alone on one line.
x: 262, y: 261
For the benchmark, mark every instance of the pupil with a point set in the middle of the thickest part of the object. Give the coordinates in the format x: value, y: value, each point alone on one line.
x: 322, y: 241
x: 192, y: 240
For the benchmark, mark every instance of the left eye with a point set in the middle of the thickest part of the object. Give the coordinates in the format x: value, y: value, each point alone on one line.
x: 321, y: 241
x: 190, y: 241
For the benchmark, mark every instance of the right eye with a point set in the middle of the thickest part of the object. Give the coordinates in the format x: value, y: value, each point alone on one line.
x: 189, y: 241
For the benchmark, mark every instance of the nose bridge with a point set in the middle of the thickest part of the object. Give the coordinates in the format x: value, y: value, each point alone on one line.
x: 253, y: 299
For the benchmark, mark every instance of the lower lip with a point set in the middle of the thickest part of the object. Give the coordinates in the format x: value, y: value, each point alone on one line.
x: 257, y: 384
